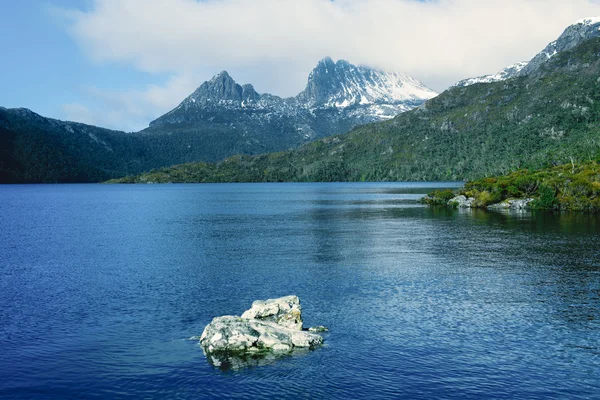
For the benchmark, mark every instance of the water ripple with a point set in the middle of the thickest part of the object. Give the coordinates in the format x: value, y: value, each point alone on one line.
x: 99, y: 286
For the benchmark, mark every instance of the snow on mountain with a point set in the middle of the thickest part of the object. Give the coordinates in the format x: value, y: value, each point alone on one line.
x: 342, y: 85
x: 363, y: 93
x: 506, y: 73
x: 573, y: 36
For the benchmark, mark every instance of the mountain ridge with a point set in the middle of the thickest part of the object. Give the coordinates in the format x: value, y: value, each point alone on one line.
x: 575, y: 34
x: 331, y: 85
x: 547, y: 118
x: 222, y: 118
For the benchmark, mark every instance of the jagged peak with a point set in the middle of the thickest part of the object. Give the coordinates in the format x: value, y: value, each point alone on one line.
x: 326, y: 61
x: 220, y: 87
x: 338, y: 84
x: 221, y: 75
x: 249, y: 94
x: 342, y: 84
x: 573, y: 36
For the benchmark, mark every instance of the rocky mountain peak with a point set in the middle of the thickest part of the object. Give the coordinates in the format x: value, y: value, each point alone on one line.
x: 341, y: 84
x: 588, y: 21
x: 220, y: 88
x: 573, y: 36
x: 331, y: 85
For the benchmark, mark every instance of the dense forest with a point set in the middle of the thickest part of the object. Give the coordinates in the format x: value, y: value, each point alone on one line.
x: 549, y: 117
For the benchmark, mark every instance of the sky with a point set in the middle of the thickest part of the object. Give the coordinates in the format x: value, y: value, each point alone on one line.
x: 120, y: 64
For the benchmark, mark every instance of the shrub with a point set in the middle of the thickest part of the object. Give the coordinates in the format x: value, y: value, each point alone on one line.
x: 513, y: 191
x: 485, y: 198
x: 439, y: 197
x: 547, y: 198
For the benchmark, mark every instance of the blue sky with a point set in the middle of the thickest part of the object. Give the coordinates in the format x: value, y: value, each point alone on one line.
x: 44, y: 68
x: 122, y: 63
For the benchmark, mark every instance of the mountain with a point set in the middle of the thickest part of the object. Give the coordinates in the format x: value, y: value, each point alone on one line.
x: 335, y: 86
x: 548, y: 117
x: 38, y: 149
x: 573, y: 36
x: 221, y: 118
x: 380, y: 94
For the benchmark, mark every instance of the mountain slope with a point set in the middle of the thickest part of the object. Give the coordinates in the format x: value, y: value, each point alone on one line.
x: 545, y: 118
x: 38, y: 149
x: 573, y: 36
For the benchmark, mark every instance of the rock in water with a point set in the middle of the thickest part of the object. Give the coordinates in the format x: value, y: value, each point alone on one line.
x: 237, y: 334
x: 319, y: 328
x: 512, y: 204
x: 285, y: 311
x: 268, y: 328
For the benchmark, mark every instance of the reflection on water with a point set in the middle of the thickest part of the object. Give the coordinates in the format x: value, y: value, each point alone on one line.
x: 236, y: 361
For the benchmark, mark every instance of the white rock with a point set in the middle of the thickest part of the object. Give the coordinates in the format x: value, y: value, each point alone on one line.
x: 270, y: 325
x: 512, y: 204
x: 461, y: 201
x: 285, y: 311
x: 235, y: 334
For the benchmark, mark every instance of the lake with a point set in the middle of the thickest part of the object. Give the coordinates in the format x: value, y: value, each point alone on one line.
x: 102, y: 286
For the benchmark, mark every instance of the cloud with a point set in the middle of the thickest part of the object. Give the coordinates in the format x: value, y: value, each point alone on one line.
x: 275, y: 43
x: 129, y: 110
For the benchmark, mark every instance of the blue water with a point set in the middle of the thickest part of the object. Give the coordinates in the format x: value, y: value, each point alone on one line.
x: 100, y: 286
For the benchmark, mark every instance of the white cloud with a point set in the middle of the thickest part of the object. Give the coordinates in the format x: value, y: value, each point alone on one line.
x: 275, y: 43
x: 129, y: 110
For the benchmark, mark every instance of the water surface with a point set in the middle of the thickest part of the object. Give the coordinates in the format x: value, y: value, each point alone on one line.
x: 101, y: 285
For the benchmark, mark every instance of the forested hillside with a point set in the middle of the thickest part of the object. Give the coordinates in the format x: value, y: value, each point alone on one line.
x: 38, y: 149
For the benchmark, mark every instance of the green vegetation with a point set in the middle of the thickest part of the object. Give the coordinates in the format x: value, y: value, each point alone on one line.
x: 541, y: 120
x: 439, y: 197
x: 565, y: 187
x: 34, y: 149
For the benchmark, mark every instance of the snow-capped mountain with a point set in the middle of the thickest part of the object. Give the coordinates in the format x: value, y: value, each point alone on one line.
x: 229, y: 118
x: 342, y: 85
x: 374, y: 94
x: 573, y: 36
